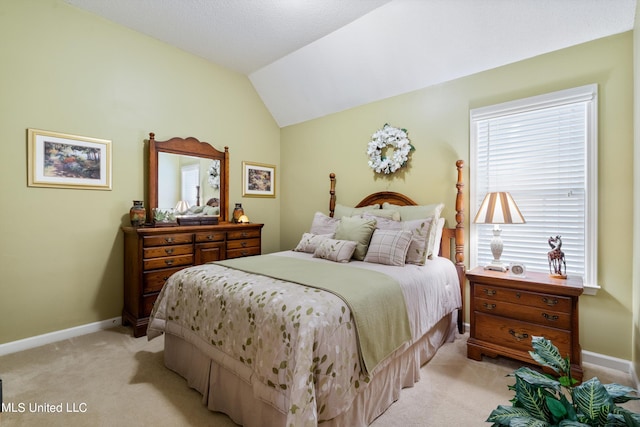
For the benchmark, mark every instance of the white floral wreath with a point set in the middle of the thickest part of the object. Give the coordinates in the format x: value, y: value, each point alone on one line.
x: 214, y: 174
x: 389, y: 136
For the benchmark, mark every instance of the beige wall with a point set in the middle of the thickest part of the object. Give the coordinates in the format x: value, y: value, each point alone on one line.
x: 636, y: 198
x: 68, y: 71
x: 437, y: 120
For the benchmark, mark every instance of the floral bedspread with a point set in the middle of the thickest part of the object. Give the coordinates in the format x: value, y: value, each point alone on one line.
x: 297, y: 341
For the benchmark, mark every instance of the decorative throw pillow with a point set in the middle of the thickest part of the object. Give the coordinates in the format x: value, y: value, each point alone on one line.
x: 323, y: 224
x: 341, y: 210
x: 383, y: 213
x: 408, y: 213
x: 310, y: 242
x: 335, y: 250
x: 358, y: 230
x: 388, y: 247
x: 435, y: 250
x: 418, y: 249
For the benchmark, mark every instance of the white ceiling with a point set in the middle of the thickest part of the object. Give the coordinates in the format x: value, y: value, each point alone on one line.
x: 310, y: 58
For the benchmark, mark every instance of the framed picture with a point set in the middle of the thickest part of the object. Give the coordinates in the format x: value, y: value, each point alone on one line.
x: 258, y: 180
x: 61, y: 160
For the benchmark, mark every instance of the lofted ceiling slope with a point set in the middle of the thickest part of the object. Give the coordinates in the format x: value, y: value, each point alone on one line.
x: 310, y: 58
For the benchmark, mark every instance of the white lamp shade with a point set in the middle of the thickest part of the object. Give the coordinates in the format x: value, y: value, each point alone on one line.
x: 182, y: 206
x: 499, y: 208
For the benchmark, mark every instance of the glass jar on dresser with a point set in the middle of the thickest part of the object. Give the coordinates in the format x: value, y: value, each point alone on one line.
x: 152, y: 254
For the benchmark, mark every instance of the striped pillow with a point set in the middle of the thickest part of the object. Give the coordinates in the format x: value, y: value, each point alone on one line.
x: 388, y: 247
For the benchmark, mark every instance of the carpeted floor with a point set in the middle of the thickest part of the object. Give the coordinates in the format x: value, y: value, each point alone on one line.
x: 109, y: 378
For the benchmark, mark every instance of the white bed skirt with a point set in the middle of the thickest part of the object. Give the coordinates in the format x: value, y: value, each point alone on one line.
x: 225, y: 391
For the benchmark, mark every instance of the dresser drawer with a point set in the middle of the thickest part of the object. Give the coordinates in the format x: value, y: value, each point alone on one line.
x: 167, y: 239
x: 162, y: 251
x: 165, y: 262
x: 236, y: 253
x: 210, y: 236
x: 243, y: 244
x: 154, y: 281
x: 517, y: 334
x: 243, y: 234
x: 147, y: 303
x: 555, y: 319
x: 533, y: 299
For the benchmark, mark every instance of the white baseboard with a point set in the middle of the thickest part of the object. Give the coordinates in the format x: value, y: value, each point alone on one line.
x: 39, y: 340
x: 607, y: 361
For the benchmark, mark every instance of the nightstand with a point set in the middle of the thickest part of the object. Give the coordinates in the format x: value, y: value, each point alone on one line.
x: 506, y: 311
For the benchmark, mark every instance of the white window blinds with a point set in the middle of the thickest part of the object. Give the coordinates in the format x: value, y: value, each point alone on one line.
x: 543, y: 151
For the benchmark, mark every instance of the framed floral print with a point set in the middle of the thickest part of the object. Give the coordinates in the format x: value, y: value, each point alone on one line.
x: 61, y: 160
x: 258, y: 180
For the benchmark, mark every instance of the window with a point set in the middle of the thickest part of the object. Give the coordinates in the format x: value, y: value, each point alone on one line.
x: 542, y: 150
x: 190, y: 182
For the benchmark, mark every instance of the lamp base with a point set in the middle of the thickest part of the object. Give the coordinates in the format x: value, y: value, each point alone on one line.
x: 496, y: 266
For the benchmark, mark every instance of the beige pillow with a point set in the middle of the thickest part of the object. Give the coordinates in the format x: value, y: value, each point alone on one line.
x: 358, y: 230
x: 310, y: 242
x: 388, y: 247
x: 420, y: 229
x: 435, y: 250
x: 342, y: 210
x: 323, y: 224
x: 383, y: 213
x: 335, y: 250
x: 408, y: 213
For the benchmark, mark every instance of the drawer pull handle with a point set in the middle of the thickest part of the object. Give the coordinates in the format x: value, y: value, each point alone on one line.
x: 168, y: 261
x: 165, y: 278
x: 244, y: 234
x: 489, y: 292
x: 551, y: 318
x: 168, y: 239
x: 489, y: 306
x: 518, y: 295
x: 244, y: 244
x: 210, y: 237
x: 518, y: 336
x: 550, y: 302
x: 245, y: 253
x: 169, y: 251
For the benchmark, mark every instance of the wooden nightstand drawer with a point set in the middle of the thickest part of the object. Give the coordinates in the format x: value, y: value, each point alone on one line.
x: 557, y: 303
x: 167, y: 239
x: 541, y: 316
x: 517, y: 335
x: 243, y: 244
x: 162, y: 251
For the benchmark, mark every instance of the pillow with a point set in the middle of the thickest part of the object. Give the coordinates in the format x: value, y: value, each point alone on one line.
x: 383, y: 213
x: 323, y: 224
x: 408, y: 213
x: 310, y: 242
x: 341, y: 210
x: 435, y: 250
x: 419, y: 228
x: 335, y: 250
x: 418, y: 249
x: 417, y: 212
x: 358, y: 230
x: 388, y: 247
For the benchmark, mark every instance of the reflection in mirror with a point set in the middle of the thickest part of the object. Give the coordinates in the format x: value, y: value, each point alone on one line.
x: 189, y: 179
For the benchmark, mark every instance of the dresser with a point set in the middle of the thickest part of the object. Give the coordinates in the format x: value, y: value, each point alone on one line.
x: 506, y: 311
x: 152, y: 254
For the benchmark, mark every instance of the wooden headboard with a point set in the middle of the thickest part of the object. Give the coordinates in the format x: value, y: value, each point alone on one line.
x: 450, y: 235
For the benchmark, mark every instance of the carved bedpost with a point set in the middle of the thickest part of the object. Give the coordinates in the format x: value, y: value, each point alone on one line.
x: 332, y: 194
x: 459, y: 239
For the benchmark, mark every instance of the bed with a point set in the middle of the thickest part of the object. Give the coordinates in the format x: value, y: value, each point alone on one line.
x: 297, y: 338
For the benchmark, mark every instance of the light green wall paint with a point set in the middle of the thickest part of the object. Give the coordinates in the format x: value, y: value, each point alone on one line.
x: 636, y: 198
x: 437, y: 119
x: 66, y: 70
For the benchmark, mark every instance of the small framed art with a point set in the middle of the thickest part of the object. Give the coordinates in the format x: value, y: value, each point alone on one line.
x: 258, y: 180
x: 61, y: 160
x: 517, y: 269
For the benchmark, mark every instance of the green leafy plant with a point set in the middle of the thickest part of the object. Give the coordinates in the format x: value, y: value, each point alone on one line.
x: 542, y: 400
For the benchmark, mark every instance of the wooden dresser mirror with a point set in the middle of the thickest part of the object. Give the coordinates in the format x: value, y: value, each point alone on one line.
x: 190, y: 170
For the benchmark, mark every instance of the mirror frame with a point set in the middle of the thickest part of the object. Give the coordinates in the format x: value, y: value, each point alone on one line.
x: 189, y: 147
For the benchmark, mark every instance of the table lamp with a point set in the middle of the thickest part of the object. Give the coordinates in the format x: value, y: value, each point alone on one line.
x: 498, y: 208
